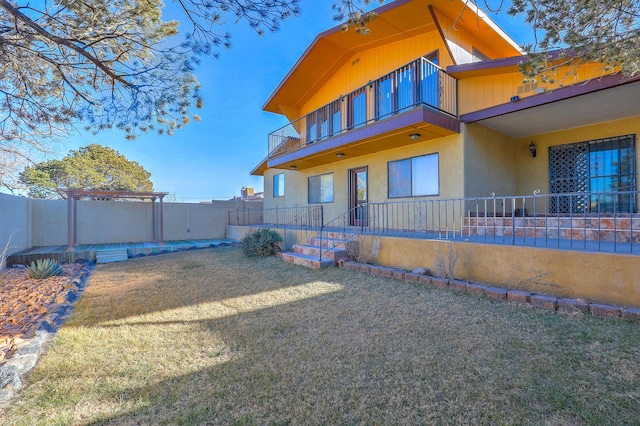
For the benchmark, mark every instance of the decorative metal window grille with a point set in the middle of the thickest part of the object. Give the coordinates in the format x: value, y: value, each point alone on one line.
x: 601, y: 169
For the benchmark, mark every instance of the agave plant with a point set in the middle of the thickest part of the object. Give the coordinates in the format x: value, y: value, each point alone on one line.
x: 44, y: 268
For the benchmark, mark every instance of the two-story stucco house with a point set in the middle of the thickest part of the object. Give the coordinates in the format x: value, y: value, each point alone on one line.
x: 424, y: 130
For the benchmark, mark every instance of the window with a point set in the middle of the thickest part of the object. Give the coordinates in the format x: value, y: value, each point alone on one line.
x: 278, y: 185
x: 413, y: 177
x: 323, y: 121
x: 312, y: 127
x: 358, y: 108
x: 384, y: 97
x: 405, y: 87
x: 321, y: 189
x: 336, y: 125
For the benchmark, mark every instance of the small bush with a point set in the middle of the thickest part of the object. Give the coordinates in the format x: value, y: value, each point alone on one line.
x: 44, y: 268
x: 262, y: 242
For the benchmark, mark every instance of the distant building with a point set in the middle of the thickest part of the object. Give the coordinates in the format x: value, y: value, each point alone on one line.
x: 249, y: 194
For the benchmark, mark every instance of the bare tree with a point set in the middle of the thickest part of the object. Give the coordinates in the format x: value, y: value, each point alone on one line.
x: 571, y: 33
x: 109, y: 64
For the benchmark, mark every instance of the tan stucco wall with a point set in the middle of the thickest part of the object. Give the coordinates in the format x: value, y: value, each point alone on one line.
x: 15, y: 219
x: 44, y: 222
x: 489, y: 162
x: 601, y: 277
x: 200, y: 221
x: 533, y: 173
x: 449, y: 151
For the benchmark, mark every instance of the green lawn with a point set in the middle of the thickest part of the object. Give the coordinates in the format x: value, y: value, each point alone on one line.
x: 211, y: 337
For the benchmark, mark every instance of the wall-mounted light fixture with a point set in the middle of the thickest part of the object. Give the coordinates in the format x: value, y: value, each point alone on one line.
x: 532, y: 149
x: 293, y: 167
x: 414, y: 136
x: 340, y: 155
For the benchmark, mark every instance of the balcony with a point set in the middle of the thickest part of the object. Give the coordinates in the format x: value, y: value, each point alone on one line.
x: 417, y: 99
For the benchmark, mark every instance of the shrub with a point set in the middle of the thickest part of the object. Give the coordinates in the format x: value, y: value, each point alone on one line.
x: 262, y: 242
x: 44, y: 268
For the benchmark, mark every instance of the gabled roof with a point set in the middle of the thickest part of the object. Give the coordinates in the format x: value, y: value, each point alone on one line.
x: 397, y: 20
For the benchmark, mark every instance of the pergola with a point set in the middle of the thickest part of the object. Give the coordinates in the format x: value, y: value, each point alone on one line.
x: 73, y: 195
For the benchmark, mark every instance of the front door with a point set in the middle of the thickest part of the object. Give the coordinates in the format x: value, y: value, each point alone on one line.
x: 357, y: 196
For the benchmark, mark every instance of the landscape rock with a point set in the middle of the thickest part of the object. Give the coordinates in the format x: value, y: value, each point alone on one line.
x: 30, y: 311
x: 5, y: 396
x: 419, y: 271
x: 9, y: 376
x: 23, y: 364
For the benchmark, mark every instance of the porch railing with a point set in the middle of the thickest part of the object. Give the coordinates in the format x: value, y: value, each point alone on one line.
x: 594, y: 221
x: 419, y: 83
x: 298, y: 217
x: 296, y: 223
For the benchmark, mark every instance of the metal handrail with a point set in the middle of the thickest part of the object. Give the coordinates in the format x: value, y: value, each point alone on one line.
x: 294, y: 218
x: 592, y: 221
x: 342, y: 224
x: 305, y: 216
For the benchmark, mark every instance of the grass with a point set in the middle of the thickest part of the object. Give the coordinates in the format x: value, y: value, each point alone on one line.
x: 211, y: 337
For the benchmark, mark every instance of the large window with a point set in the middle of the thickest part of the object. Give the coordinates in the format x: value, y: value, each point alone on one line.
x: 278, y: 185
x: 321, y: 189
x: 414, y: 177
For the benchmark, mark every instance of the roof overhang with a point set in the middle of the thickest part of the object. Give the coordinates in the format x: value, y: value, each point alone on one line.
x: 397, y: 20
x: 481, y: 69
x: 260, y: 168
x: 609, y: 98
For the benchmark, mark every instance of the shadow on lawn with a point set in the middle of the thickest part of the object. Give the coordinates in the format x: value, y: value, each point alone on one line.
x: 351, y: 356
x: 388, y: 353
x: 375, y: 351
x: 164, y: 284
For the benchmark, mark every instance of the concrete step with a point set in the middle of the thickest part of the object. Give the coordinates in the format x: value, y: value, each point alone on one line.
x: 329, y: 242
x: 312, y: 262
x: 108, y: 256
x: 335, y: 253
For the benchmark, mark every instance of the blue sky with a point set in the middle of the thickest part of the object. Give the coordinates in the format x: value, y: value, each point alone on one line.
x: 212, y: 159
